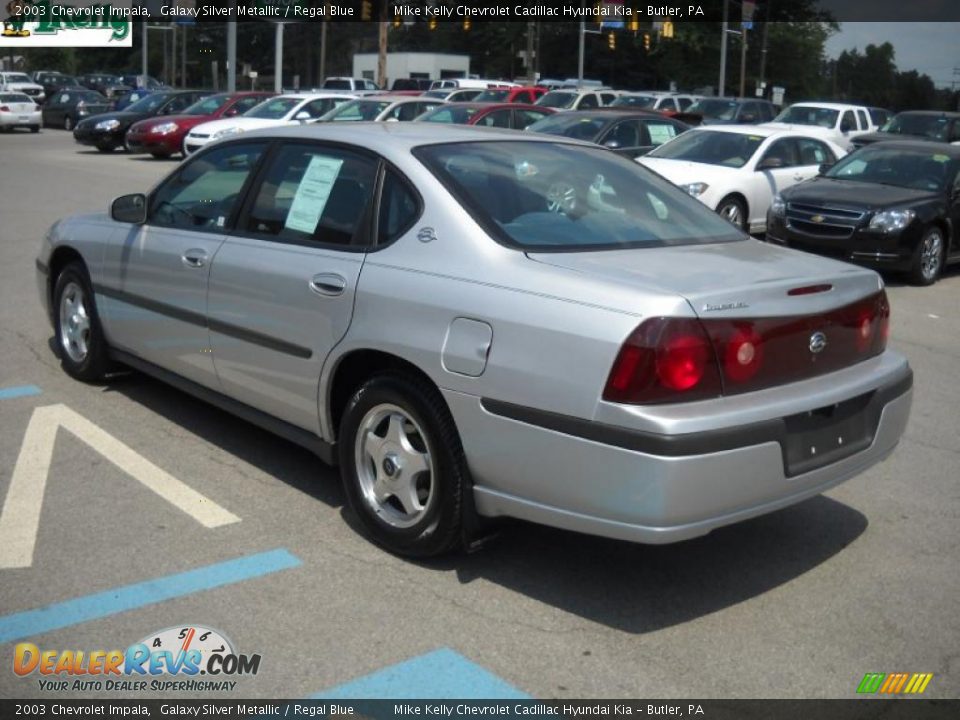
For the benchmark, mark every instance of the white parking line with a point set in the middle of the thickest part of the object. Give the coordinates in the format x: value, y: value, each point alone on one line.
x: 20, y: 518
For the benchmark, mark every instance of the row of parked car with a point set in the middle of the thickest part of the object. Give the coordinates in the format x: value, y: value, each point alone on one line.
x: 737, y: 156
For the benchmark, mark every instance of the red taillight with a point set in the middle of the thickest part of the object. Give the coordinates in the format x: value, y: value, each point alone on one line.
x: 4, y: 108
x: 664, y: 360
x: 682, y: 359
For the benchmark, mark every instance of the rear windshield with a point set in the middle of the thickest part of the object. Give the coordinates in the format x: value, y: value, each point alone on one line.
x: 14, y: 98
x: 713, y: 147
x: 637, y: 101
x: 208, y: 105
x: 806, y: 115
x: 459, y: 114
x: 273, y: 109
x: 545, y: 196
x: 928, y: 126
x: 715, y: 109
x: 577, y: 127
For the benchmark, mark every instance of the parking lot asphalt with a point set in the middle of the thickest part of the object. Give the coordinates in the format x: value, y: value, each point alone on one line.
x: 800, y: 603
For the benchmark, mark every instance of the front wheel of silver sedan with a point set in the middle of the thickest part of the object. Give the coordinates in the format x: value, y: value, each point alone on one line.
x: 80, y: 341
x: 402, y: 464
x: 928, y: 258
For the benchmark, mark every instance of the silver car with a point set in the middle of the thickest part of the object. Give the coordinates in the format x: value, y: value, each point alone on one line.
x: 476, y: 323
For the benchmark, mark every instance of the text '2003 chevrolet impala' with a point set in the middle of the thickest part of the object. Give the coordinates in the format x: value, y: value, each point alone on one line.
x: 476, y: 323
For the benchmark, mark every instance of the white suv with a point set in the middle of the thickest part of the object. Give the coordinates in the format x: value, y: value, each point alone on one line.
x: 654, y: 100
x: 21, y: 83
x: 574, y: 99
x: 837, y: 122
x: 349, y: 84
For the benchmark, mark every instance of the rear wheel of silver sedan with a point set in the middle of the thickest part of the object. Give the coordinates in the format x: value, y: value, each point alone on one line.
x: 928, y: 258
x: 403, y: 468
x: 80, y: 341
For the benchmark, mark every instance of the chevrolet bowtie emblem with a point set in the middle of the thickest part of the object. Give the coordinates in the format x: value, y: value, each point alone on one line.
x: 817, y: 218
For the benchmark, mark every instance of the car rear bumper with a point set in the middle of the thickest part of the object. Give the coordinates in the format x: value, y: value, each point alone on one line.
x: 28, y: 119
x: 655, y: 488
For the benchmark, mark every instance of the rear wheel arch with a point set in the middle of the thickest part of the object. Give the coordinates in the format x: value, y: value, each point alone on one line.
x: 356, y: 367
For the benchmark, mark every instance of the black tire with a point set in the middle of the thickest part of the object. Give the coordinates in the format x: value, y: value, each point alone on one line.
x: 160, y: 155
x: 67, y: 122
x: 34, y: 129
x: 928, y: 258
x: 437, y: 530
x: 93, y: 364
x: 733, y: 209
x: 104, y: 148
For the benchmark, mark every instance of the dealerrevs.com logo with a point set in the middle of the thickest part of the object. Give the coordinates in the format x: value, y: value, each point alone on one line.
x: 67, y: 23
x: 169, y: 660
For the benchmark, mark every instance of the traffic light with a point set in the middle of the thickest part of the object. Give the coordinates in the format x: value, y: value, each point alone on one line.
x: 467, y: 25
x: 366, y: 10
x: 667, y: 29
x: 432, y: 24
x: 646, y: 42
x: 612, y: 40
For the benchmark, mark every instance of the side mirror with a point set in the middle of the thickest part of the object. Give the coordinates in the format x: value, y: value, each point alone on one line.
x: 770, y: 163
x: 231, y: 112
x: 612, y: 143
x: 302, y: 116
x: 822, y: 170
x: 129, y: 208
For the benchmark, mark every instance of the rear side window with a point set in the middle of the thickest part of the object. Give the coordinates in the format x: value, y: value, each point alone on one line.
x: 399, y: 209
x: 848, y: 122
x: 313, y: 194
x: 814, y: 152
x: 862, y: 117
x: 588, y: 101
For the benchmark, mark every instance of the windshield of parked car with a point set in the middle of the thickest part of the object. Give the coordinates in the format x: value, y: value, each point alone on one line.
x: 578, y: 127
x: 715, y: 109
x: 558, y: 99
x: 492, y: 96
x: 806, y: 115
x: 14, y: 98
x: 208, y: 105
x: 273, y: 109
x: 636, y: 101
x: 545, y: 196
x: 928, y: 126
x: 907, y: 168
x: 459, y: 114
x: 357, y: 110
x: 337, y: 85
x: 148, y: 104
x: 713, y: 147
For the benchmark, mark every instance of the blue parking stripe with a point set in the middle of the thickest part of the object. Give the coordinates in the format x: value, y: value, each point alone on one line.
x: 130, y: 597
x: 19, y: 391
x: 439, y: 675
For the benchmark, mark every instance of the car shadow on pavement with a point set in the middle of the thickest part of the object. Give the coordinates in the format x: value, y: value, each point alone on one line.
x: 629, y: 587
x: 284, y: 460
x: 644, y: 588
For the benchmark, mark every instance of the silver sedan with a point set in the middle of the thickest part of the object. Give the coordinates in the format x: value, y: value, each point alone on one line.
x: 476, y: 323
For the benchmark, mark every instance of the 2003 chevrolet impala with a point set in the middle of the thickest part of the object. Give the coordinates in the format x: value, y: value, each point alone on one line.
x: 476, y: 323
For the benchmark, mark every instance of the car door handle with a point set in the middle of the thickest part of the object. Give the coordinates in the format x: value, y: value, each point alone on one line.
x: 328, y: 284
x: 194, y: 258
x: 798, y: 177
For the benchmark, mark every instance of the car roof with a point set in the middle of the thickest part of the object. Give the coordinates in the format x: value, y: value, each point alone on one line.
x: 827, y: 105
x: 393, y: 138
x: 752, y: 130
x: 925, y: 146
x: 493, y: 106
x: 931, y: 113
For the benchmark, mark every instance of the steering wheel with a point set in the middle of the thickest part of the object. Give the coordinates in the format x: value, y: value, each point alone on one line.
x: 563, y: 198
x: 166, y: 207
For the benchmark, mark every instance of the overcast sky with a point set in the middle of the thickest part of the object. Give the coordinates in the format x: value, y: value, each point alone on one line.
x: 927, y: 47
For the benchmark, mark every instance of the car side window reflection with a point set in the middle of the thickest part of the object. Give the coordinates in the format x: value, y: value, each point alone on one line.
x: 203, y: 194
x: 313, y: 194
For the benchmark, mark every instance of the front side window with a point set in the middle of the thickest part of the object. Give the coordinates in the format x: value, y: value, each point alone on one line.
x: 202, y: 195
x: 554, y: 196
x: 715, y: 109
x: 208, y: 105
x: 458, y: 114
x: 525, y: 118
x: 357, y: 110
x: 660, y: 131
x: 783, y: 152
x: 313, y: 194
x: 497, y: 118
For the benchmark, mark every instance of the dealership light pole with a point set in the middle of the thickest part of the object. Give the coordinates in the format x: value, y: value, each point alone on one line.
x: 278, y: 58
x: 232, y: 50
x: 722, y: 83
x: 143, y: 51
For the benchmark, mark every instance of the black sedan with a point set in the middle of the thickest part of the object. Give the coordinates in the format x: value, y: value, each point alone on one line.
x: 921, y: 124
x: 630, y: 133
x: 107, y: 130
x: 891, y: 206
x: 69, y: 105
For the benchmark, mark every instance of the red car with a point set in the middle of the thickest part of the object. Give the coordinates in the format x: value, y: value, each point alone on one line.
x: 527, y: 95
x: 163, y: 136
x: 504, y: 115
